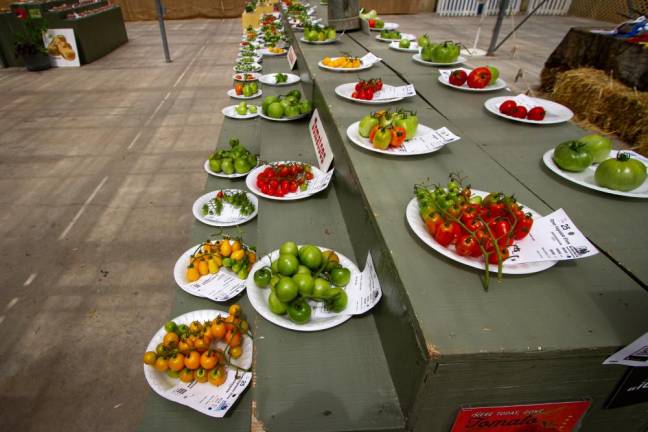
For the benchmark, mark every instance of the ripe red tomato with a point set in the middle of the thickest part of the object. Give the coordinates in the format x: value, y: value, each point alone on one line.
x: 467, y: 246
x: 508, y: 107
x: 447, y: 233
x: 520, y: 112
x: 492, y: 258
x: 479, y: 77
x: 458, y: 77
x: 536, y: 113
x: 523, y: 227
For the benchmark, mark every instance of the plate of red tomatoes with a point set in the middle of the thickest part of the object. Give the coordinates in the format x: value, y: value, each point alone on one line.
x: 449, y: 231
x: 475, y: 80
x: 284, y: 181
x: 364, y: 92
x: 525, y: 109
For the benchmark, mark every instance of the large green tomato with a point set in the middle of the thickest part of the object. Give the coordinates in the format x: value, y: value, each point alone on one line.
x: 295, y: 94
x: 299, y: 311
x: 275, y: 110
x: 262, y: 277
x: 287, y: 264
x: 366, y: 124
x: 302, y: 269
x: 269, y: 100
x: 423, y: 41
x: 227, y: 165
x: 598, y: 146
x: 338, y: 299
x: 288, y: 248
x: 446, y: 52
x: 276, y: 306
x: 408, y: 121
x: 622, y: 173
x: 215, y: 165
x: 340, y: 276
x: 241, y: 166
x: 274, y: 266
x: 404, y: 43
x: 305, y: 106
x: 320, y: 288
x: 286, y: 289
x: 427, y: 52
x: 305, y: 283
x: 331, y: 34
x: 312, y: 35
x: 292, y: 111
x: 572, y: 156
x: 311, y: 257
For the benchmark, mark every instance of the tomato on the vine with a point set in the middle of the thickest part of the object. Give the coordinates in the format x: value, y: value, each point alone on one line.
x: 446, y: 233
x: 467, y: 246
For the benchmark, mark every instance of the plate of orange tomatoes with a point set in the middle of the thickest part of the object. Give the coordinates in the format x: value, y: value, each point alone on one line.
x: 201, y: 359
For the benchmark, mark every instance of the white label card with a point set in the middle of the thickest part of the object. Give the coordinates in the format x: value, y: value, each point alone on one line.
x: 320, y: 142
x: 431, y: 141
x: 320, y: 183
x: 395, y: 92
x: 208, y: 399
x: 220, y: 286
x: 291, y: 57
x: 370, y: 58
x: 526, y: 101
x: 635, y: 354
x: 552, y: 238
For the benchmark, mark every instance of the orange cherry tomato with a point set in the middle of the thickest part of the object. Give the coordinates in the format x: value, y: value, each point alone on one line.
x: 186, y: 375
x: 170, y: 338
x: 209, y: 360
x: 161, y: 364
x: 200, y: 345
x: 234, y: 310
x: 229, y: 323
x: 176, y: 363
x: 236, y: 352
x: 218, y: 329
x: 218, y: 376
x: 149, y: 358
x: 200, y: 375
x: 192, y: 361
x: 184, y: 346
x: 234, y: 339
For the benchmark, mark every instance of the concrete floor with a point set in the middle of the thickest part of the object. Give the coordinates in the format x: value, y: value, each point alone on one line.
x: 101, y: 165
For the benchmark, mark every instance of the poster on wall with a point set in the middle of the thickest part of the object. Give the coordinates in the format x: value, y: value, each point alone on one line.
x: 62, y: 48
x: 542, y: 417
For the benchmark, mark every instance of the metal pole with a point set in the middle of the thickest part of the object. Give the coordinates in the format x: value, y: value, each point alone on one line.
x: 165, y: 44
x: 521, y: 22
x: 498, y: 26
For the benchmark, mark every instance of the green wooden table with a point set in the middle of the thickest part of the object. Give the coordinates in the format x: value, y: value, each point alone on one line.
x: 437, y: 340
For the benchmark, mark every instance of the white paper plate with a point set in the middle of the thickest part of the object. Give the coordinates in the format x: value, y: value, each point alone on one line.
x: 555, y: 113
x: 586, y: 178
x: 326, y: 42
x: 417, y: 58
x: 208, y: 280
x: 421, y: 130
x: 254, y: 77
x: 230, y: 111
x: 270, y: 79
x: 498, y: 85
x: 228, y: 216
x: 250, y: 182
x: 408, y: 36
x: 257, y: 59
x: 232, y: 93
x: 414, y: 48
x: 161, y: 383
x: 419, y: 228
x: 267, y: 53
x: 387, y: 26
x: 363, y: 67
x: 256, y: 67
x: 221, y: 174
x: 259, y: 299
x: 346, y: 90
x: 283, y: 119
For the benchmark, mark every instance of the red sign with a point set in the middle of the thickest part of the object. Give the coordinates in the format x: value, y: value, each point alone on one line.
x: 544, y: 417
x: 320, y: 142
x: 292, y: 57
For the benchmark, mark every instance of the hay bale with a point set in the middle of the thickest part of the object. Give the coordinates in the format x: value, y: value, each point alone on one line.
x: 599, y: 99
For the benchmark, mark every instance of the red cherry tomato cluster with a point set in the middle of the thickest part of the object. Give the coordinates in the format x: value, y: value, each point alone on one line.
x: 366, y: 89
x: 510, y: 108
x: 281, y: 179
x: 453, y: 216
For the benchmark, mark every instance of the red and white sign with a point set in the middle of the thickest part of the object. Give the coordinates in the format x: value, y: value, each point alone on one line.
x: 292, y: 57
x: 320, y: 142
x: 543, y: 417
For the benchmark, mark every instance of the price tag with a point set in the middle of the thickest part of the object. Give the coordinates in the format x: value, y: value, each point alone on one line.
x: 395, y: 92
x: 370, y: 58
x: 292, y: 57
x: 552, y: 238
x: 320, y: 142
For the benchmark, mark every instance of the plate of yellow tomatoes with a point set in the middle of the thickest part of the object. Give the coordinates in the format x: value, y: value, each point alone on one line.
x: 344, y: 64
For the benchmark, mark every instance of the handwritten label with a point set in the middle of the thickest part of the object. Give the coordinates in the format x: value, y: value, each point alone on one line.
x: 391, y: 92
x: 369, y: 59
x: 319, y: 183
x: 552, y: 238
x: 429, y: 141
x: 292, y: 57
x: 320, y: 142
